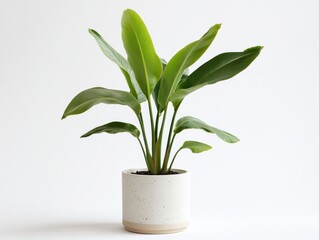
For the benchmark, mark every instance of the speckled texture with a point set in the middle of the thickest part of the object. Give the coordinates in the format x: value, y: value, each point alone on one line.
x: 156, y: 199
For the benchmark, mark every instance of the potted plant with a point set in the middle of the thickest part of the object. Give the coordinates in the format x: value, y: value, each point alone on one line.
x: 156, y: 199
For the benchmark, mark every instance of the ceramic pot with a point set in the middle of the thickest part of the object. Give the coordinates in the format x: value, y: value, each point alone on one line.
x: 155, y: 203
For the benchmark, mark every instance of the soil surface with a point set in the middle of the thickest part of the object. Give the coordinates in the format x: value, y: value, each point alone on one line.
x: 149, y: 173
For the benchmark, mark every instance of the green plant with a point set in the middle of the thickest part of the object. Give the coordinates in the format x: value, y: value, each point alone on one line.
x: 152, y: 80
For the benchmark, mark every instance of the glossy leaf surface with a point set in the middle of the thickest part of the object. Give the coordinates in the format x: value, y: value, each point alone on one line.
x: 157, y: 87
x: 196, y: 147
x: 120, y: 61
x: 182, y: 60
x: 194, y: 123
x: 140, y: 51
x: 221, y: 67
x: 114, y: 127
x: 90, y: 97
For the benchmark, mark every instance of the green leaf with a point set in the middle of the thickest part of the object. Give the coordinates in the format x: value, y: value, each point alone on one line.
x: 182, y: 60
x: 120, y: 61
x: 140, y: 51
x: 114, y: 127
x: 221, y: 67
x: 194, y: 123
x: 90, y: 97
x: 157, y: 87
x: 196, y: 147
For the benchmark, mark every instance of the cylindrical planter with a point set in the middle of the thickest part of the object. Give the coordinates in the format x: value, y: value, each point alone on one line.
x: 155, y: 203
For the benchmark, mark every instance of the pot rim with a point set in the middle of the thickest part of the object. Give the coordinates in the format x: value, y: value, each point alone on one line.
x: 130, y: 170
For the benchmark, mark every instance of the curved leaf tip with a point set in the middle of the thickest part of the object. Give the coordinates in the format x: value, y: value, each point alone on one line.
x: 196, y: 147
x: 141, y: 54
x: 254, y: 49
x: 182, y: 60
x: 217, y: 25
x: 93, y: 96
x: 189, y: 122
x: 113, y: 128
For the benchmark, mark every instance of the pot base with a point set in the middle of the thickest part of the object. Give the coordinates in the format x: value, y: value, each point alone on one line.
x: 154, y: 228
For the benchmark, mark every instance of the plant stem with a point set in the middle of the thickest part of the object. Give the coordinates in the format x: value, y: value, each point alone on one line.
x: 140, y: 118
x: 143, y: 150
x: 160, y: 138
x: 167, y: 154
x: 139, y: 140
x: 148, y: 155
x: 157, y: 158
x: 169, y: 141
x: 152, y: 128
x: 170, y: 166
x: 156, y: 125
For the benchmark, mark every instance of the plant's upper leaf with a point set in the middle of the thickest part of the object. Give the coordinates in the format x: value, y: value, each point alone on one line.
x: 90, y: 97
x: 115, y: 127
x: 194, y: 123
x: 182, y: 60
x: 221, y: 67
x: 157, y: 87
x: 140, y: 51
x: 196, y: 147
x: 119, y: 60
x: 155, y: 96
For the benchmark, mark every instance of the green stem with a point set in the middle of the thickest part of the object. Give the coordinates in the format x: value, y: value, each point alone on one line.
x: 169, y: 141
x: 143, y: 150
x: 156, y: 125
x: 167, y: 154
x: 148, y: 155
x: 170, y: 166
x: 140, y: 118
x: 160, y: 138
x: 155, y: 155
x: 152, y: 127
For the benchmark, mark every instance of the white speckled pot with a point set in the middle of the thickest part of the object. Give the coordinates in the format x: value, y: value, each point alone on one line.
x: 155, y: 203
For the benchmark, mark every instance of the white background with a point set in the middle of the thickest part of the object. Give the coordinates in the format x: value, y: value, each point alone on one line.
x: 54, y: 185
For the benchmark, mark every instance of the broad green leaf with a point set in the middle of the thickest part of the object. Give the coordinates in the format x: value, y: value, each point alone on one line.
x: 120, y: 61
x: 115, y: 127
x: 182, y: 60
x: 90, y: 97
x: 196, y: 147
x: 155, y: 96
x: 221, y: 67
x: 157, y: 87
x: 140, y: 51
x: 194, y: 123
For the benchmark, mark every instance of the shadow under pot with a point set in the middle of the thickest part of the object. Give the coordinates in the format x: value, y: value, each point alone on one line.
x: 155, y: 204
